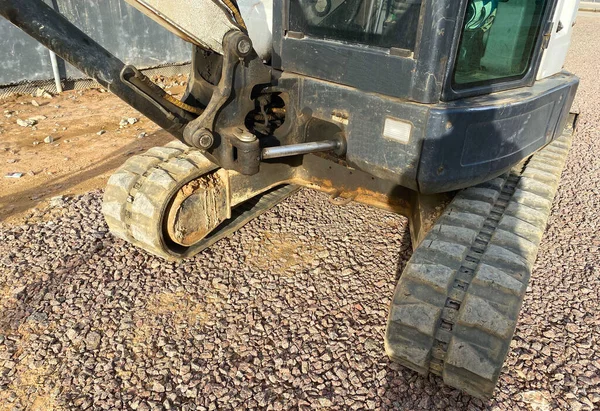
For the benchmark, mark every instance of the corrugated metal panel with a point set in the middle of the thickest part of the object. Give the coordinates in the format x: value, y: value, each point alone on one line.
x: 114, y: 24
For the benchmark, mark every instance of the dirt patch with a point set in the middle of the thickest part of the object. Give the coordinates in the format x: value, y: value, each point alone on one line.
x: 174, y: 312
x: 85, y: 142
x: 32, y: 389
x: 283, y: 252
x: 179, y: 308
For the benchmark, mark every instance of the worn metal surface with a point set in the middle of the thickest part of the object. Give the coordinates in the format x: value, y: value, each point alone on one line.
x: 301, y: 148
x: 230, y: 101
x: 201, y: 22
x: 118, y: 27
x: 452, y: 145
x: 141, y: 83
x: 198, y: 208
x: 424, y: 212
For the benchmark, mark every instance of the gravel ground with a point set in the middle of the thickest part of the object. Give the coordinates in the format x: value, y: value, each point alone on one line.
x: 289, y: 312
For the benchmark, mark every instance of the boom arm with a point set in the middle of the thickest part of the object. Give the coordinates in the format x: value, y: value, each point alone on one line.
x: 218, y: 18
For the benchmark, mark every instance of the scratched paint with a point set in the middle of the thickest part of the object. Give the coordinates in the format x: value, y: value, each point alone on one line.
x: 115, y: 25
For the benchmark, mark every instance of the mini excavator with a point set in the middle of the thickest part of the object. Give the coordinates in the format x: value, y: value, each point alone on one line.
x: 454, y: 113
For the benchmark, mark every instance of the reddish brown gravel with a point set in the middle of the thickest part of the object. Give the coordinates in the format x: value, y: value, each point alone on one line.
x: 289, y: 312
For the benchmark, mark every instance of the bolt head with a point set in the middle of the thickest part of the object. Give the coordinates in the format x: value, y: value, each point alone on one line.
x: 244, y: 46
x: 206, y: 140
x: 203, y: 139
x: 246, y: 137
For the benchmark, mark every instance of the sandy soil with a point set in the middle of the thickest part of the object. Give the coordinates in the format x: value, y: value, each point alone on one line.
x: 79, y: 160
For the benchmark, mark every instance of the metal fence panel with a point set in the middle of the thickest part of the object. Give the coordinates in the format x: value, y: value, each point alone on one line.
x: 118, y: 27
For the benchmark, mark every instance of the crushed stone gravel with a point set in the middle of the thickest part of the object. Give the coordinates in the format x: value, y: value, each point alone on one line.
x: 287, y: 313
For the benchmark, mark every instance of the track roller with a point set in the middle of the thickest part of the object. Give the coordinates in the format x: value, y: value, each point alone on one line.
x: 455, y: 307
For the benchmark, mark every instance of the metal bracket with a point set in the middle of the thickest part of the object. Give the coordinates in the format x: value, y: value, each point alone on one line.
x: 216, y: 131
x: 142, y: 85
x: 204, y: 124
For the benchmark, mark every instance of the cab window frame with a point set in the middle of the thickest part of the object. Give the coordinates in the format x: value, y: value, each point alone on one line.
x: 414, y: 76
x: 337, y: 34
x: 452, y: 91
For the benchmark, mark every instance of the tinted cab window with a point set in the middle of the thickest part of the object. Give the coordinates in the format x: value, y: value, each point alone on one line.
x: 379, y: 23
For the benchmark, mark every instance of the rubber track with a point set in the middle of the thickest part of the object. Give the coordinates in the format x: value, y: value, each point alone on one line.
x: 138, y: 193
x: 456, y: 304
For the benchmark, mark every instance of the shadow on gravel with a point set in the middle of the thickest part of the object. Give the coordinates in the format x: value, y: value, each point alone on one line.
x: 16, y: 304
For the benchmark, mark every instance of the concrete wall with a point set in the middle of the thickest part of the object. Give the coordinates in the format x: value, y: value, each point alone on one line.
x: 114, y: 24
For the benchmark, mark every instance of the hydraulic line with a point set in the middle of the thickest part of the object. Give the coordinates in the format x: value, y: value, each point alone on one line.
x: 232, y: 6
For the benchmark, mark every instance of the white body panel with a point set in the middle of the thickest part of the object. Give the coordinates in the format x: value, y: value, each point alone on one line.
x: 204, y: 23
x: 555, y: 55
x: 201, y: 22
x: 258, y: 16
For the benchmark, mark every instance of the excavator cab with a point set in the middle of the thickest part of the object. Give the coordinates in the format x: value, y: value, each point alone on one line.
x: 454, y: 113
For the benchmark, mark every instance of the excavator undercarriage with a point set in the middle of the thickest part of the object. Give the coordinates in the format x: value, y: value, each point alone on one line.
x: 431, y: 109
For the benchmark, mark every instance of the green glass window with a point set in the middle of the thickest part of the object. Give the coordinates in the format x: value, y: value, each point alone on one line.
x: 380, y: 23
x: 498, y: 40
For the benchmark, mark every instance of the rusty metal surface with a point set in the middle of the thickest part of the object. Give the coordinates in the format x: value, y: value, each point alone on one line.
x: 271, y: 175
x: 320, y: 174
x: 424, y: 212
x: 201, y: 205
x: 330, y: 177
x: 198, y: 208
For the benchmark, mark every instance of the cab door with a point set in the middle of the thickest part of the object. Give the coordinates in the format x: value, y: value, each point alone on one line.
x: 560, y: 39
